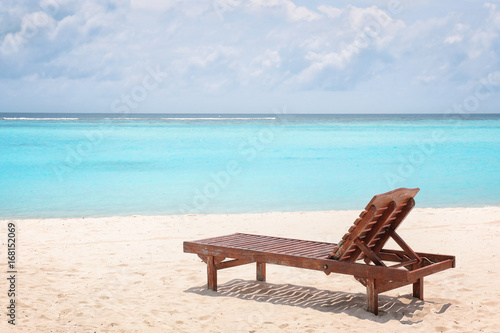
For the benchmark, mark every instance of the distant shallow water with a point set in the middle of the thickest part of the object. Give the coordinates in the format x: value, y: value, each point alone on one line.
x: 74, y: 165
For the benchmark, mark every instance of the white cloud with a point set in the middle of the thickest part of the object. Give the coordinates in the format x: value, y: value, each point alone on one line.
x: 426, y: 78
x: 292, y: 12
x: 264, y: 63
x: 297, y: 13
x: 458, y: 34
x: 482, y: 39
x: 270, y: 58
x: 330, y: 11
x: 494, y: 18
x: 207, y: 67
x: 32, y: 25
x: 481, y: 42
x: 258, y: 45
x: 362, y: 28
x: 153, y: 4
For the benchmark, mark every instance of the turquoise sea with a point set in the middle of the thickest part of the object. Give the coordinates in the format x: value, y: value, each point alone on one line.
x: 82, y: 165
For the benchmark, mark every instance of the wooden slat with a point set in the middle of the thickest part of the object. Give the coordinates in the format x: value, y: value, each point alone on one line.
x: 390, y: 255
x: 269, y: 243
x: 397, y: 221
x: 283, y: 247
x: 227, y: 242
x: 274, y: 244
x: 247, y: 243
x: 403, y: 198
x: 243, y: 240
x: 299, y: 249
x: 319, y: 251
x: 290, y: 239
x: 277, y: 249
x: 262, y: 242
x: 335, y: 266
x: 377, y: 225
x: 318, y: 255
x: 305, y: 248
x: 382, y: 222
x: 219, y: 238
x: 348, y: 239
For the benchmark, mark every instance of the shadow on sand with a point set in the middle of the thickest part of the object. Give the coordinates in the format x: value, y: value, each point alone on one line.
x: 403, y: 308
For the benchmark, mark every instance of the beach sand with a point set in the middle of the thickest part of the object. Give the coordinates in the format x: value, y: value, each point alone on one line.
x: 129, y: 274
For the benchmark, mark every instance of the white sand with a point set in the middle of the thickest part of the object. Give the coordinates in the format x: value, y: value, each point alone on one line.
x: 129, y: 274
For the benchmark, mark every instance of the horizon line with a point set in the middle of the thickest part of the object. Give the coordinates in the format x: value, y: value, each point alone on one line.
x: 238, y: 113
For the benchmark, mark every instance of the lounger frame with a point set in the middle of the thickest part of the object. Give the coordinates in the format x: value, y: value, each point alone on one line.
x: 360, y: 252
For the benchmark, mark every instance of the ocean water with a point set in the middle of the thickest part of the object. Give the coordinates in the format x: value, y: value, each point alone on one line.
x: 82, y: 165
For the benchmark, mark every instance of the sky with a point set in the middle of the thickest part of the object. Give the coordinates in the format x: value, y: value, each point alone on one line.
x: 249, y: 56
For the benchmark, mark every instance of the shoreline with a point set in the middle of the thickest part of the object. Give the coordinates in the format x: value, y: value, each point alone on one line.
x: 233, y: 214
x: 129, y: 274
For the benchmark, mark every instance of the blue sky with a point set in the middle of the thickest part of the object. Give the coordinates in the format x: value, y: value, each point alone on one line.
x: 253, y: 56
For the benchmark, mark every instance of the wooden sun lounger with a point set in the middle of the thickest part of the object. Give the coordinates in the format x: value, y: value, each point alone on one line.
x: 360, y: 253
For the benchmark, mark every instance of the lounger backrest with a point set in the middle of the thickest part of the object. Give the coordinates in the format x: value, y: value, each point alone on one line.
x: 384, y: 212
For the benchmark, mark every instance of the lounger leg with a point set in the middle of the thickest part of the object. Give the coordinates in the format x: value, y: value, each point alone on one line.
x: 261, y: 271
x: 211, y: 274
x: 372, y: 296
x: 418, y: 289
